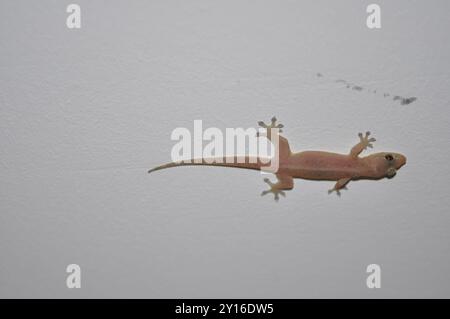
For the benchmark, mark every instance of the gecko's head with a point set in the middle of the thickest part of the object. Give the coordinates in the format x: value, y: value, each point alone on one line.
x: 386, y: 164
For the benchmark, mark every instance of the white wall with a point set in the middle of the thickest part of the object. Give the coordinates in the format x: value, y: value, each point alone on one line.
x: 85, y: 113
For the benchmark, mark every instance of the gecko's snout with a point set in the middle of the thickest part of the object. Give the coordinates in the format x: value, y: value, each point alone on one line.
x: 388, y: 163
x: 400, y: 160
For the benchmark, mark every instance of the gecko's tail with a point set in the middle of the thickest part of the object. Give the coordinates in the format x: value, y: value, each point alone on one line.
x: 246, y: 162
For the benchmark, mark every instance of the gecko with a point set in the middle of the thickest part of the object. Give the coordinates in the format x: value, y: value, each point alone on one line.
x: 314, y: 165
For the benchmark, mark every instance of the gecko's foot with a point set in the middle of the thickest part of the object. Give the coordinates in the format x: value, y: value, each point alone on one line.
x: 274, y: 190
x: 338, y: 191
x: 273, y: 124
x: 365, y: 140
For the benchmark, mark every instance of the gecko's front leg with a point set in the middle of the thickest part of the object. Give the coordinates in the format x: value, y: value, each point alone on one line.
x: 364, y: 143
x: 285, y: 182
x: 340, y: 184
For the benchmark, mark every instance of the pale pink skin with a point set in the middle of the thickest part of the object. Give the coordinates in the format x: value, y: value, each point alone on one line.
x: 316, y: 165
x: 342, y: 168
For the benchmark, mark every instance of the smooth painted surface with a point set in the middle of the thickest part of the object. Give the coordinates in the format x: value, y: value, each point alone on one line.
x: 85, y: 113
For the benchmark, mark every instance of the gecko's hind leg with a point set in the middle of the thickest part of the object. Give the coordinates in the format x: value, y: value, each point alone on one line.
x: 273, y: 124
x: 284, y: 150
x: 340, y: 184
x: 285, y: 182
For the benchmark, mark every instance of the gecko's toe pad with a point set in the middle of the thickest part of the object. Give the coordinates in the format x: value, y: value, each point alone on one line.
x: 273, y: 124
x: 365, y: 140
x: 275, y: 191
x: 338, y: 191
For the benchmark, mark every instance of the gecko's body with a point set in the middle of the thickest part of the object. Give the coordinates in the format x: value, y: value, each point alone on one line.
x: 318, y: 165
x: 315, y: 165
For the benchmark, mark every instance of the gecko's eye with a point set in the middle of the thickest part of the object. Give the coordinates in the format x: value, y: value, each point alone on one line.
x: 389, y: 157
